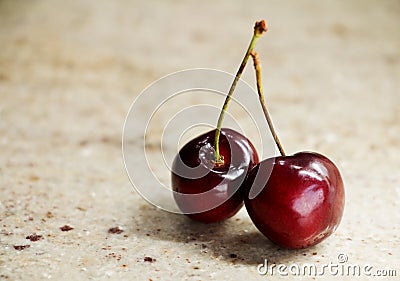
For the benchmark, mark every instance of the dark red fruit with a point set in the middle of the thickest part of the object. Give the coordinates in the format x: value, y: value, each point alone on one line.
x: 210, y: 192
x: 295, y: 201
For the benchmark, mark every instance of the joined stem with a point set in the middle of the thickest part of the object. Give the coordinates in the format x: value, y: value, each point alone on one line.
x: 259, y: 28
x: 257, y: 68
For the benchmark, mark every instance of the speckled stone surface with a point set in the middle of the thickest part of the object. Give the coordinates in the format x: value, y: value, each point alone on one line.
x: 69, y: 71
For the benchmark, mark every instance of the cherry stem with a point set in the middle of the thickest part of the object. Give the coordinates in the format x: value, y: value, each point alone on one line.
x: 259, y: 28
x: 257, y: 68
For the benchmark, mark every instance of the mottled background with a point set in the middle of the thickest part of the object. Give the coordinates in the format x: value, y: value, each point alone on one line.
x: 69, y: 71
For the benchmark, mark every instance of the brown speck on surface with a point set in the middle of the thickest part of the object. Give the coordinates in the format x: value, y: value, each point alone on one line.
x: 124, y: 265
x: 314, y: 254
x: 115, y: 230
x: 83, y: 142
x: 114, y: 255
x: 49, y: 215
x: 149, y: 259
x: 21, y: 247
x: 126, y: 235
x: 196, y: 267
x: 66, y: 228
x: 233, y: 256
x: 152, y: 146
x: 105, y: 139
x: 34, y: 237
x: 3, y: 77
x: 34, y: 178
x: 340, y: 30
x: 389, y: 254
x: 6, y: 233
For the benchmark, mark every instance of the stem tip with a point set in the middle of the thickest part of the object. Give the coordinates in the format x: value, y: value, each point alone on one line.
x: 260, y: 27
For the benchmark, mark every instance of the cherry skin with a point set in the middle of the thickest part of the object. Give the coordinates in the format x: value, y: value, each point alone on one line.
x: 215, y: 187
x: 295, y: 201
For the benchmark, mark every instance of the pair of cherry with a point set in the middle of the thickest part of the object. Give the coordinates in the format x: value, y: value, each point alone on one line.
x: 296, y: 201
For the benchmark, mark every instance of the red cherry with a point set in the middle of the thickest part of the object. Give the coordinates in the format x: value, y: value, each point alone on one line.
x: 298, y: 200
x: 217, y: 186
x: 209, y: 170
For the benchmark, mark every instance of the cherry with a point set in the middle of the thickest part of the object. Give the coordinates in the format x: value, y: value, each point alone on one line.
x: 216, y: 186
x: 208, y: 171
x: 296, y: 201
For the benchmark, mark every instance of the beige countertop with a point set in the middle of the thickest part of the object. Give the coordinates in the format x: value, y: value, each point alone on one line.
x: 69, y: 71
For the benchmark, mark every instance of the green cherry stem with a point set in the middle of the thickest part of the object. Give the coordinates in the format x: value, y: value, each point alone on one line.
x: 259, y: 28
x: 257, y: 68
